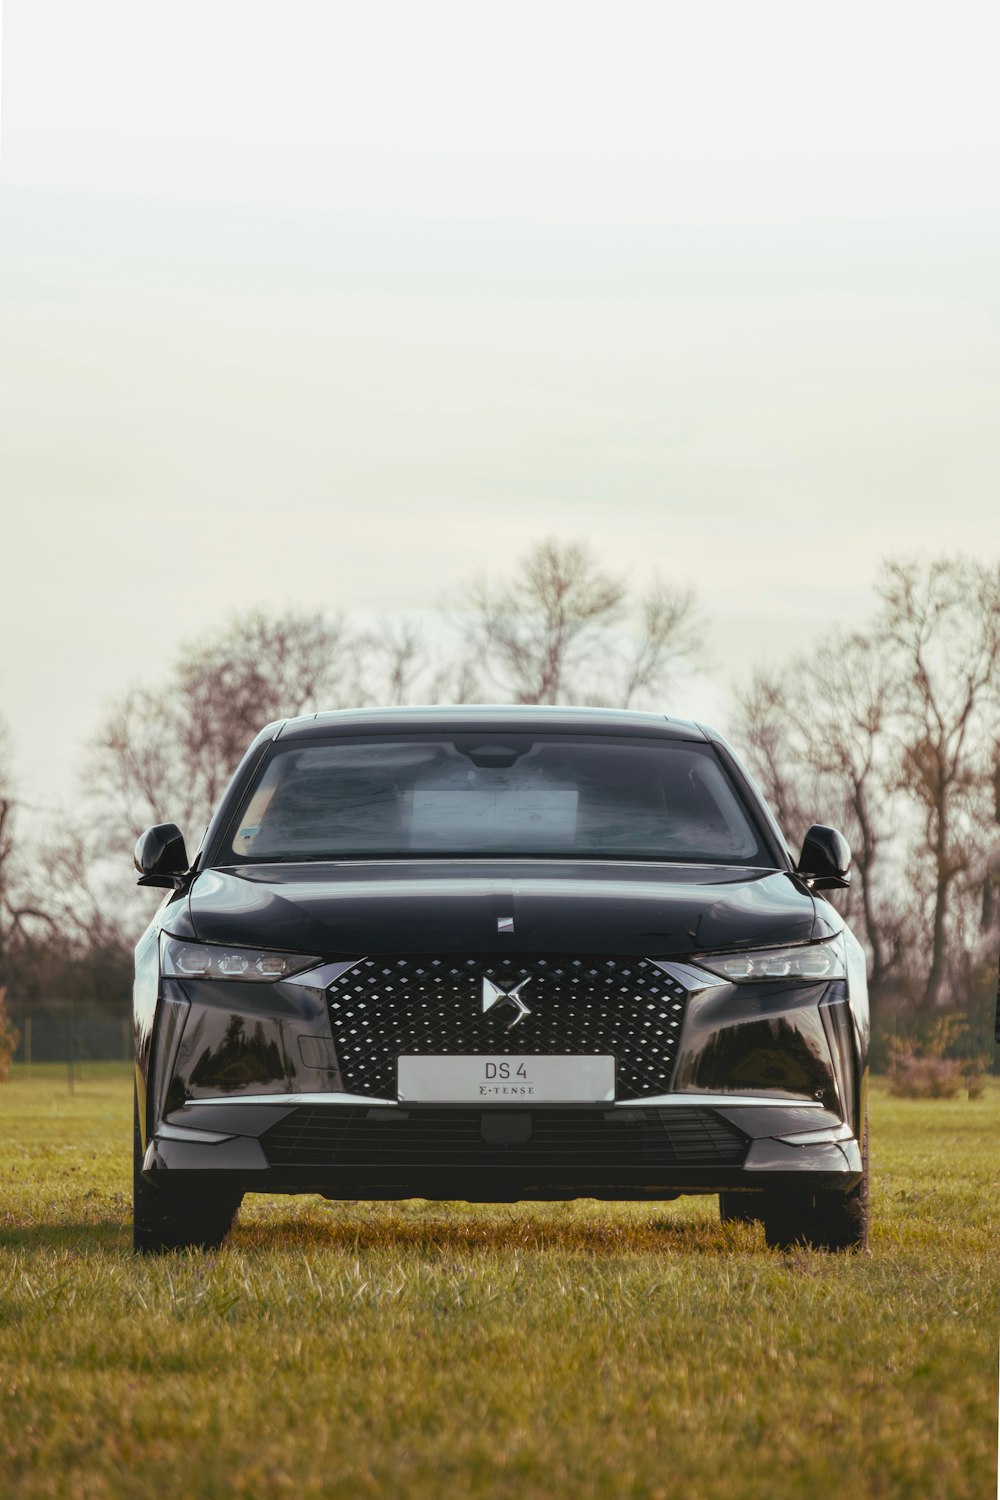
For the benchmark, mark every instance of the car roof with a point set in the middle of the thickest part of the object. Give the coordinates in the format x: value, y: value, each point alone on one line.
x: 490, y: 717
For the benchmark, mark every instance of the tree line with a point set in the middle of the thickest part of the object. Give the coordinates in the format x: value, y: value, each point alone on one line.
x: 891, y: 732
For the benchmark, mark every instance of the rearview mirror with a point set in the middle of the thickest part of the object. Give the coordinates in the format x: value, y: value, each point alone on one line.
x: 160, y: 856
x: 825, y: 860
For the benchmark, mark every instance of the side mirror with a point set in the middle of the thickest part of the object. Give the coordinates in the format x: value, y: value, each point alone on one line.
x: 825, y: 860
x: 160, y: 856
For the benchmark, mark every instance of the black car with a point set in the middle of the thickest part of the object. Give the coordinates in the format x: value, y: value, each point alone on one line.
x: 497, y: 954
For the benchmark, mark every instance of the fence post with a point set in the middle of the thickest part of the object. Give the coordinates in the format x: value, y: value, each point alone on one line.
x: 27, y: 1047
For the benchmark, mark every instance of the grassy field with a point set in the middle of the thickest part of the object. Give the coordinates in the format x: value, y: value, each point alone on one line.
x: 443, y: 1350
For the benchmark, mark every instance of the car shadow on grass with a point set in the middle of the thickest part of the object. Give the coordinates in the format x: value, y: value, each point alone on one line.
x: 437, y: 1231
x: 94, y: 1237
x: 459, y: 1232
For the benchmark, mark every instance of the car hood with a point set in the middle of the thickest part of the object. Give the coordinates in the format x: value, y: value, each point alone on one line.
x: 356, y: 909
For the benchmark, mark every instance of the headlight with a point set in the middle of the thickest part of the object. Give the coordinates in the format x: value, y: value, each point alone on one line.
x: 182, y: 960
x: 810, y: 961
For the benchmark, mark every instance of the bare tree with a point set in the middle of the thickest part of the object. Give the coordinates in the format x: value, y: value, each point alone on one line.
x: 7, y: 848
x: 554, y: 634
x: 765, y: 730
x: 456, y: 681
x: 533, y: 633
x: 943, y: 621
x: 398, y: 663
x: 893, y: 733
x: 56, y: 935
x: 20, y: 906
x: 167, y: 753
x: 816, y: 738
x: 851, y: 699
x: 669, y: 633
x: 394, y: 658
x: 261, y: 667
x: 989, y: 911
x: 74, y: 925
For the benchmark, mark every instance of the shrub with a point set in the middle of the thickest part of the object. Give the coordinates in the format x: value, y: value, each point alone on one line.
x: 915, y: 1076
x: 924, y: 1071
x: 9, y: 1037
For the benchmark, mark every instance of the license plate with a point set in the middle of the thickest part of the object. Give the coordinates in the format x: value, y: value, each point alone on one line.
x: 484, y: 1079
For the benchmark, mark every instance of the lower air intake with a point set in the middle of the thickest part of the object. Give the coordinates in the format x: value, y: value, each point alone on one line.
x: 353, y: 1135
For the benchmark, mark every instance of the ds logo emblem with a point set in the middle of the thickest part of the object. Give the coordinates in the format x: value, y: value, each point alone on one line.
x: 493, y: 995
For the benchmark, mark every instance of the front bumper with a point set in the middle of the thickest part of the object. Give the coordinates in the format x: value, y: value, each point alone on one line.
x: 275, y: 1089
x: 359, y: 1150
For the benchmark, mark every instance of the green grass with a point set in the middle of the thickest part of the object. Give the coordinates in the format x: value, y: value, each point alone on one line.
x: 444, y: 1350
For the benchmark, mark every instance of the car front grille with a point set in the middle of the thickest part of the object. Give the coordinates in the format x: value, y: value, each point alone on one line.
x: 354, y: 1135
x: 626, y: 1007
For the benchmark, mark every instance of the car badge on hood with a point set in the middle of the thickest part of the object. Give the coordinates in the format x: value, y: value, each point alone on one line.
x: 493, y: 995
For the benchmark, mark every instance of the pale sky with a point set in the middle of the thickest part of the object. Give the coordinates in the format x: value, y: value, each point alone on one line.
x: 336, y: 305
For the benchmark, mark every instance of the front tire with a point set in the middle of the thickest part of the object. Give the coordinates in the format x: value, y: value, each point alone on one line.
x: 164, y: 1219
x: 825, y: 1219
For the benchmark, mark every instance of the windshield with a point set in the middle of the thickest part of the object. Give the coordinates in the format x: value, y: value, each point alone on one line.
x: 474, y: 795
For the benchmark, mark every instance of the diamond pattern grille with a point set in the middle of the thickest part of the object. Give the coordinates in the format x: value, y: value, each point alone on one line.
x: 624, y: 1006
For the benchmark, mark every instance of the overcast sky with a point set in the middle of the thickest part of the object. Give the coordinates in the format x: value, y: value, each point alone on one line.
x: 337, y: 304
